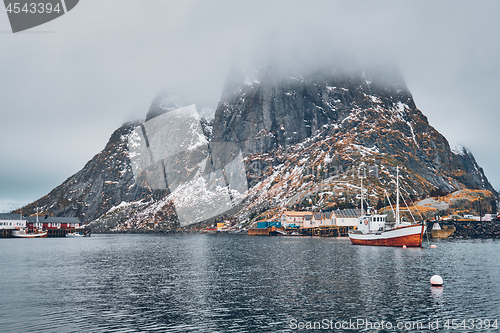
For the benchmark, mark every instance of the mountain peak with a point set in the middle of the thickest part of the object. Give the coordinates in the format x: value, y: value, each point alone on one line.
x: 346, y: 104
x: 290, y: 103
x: 166, y: 101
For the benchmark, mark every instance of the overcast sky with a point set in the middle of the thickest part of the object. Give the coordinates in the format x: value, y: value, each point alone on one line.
x: 68, y: 84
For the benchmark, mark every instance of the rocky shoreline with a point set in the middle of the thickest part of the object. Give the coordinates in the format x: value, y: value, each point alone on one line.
x: 473, y: 229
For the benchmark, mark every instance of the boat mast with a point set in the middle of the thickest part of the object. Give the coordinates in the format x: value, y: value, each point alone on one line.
x: 397, y: 196
x: 362, y: 211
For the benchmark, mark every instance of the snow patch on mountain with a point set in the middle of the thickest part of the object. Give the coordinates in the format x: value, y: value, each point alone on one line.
x: 458, y: 149
x: 195, y: 202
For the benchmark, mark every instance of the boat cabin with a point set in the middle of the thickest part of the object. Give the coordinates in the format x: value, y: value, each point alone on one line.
x: 371, y: 223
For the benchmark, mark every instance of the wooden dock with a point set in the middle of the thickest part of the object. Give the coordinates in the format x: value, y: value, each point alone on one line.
x: 87, y: 232
x: 6, y: 233
x: 325, y: 231
x: 271, y: 231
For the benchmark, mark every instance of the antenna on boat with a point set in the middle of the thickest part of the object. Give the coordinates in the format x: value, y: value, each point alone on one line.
x: 390, y: 203
x: 413, y: 204
x: 397, y: 195
x: 362, y: 210
x: 36, y: 214
x: 362, y: 191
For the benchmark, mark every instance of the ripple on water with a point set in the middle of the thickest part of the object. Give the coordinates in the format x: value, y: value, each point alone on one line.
x: 234, y: 283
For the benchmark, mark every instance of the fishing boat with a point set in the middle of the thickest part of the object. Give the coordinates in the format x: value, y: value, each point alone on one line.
x: 375, y: 230
x: 211, y: 230
x: 74, y: 234
x: 22, y: 233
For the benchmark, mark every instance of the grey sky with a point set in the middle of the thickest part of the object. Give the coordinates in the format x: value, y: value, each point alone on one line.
x: 68, y: 84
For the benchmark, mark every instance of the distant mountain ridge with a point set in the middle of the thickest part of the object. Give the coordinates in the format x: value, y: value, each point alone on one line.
x: 303, y: 138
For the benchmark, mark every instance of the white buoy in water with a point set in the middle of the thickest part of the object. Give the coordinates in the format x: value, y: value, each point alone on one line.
x: 433, y: 246
x: 404, y: 246
x: 436, y: 281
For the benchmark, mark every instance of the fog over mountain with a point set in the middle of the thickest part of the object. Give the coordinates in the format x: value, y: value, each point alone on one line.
x: 71, y: 82
x: 283, y: 136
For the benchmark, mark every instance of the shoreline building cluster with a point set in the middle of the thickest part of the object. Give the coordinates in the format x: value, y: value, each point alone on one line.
x: 333, y: 218
x: 55, y: 226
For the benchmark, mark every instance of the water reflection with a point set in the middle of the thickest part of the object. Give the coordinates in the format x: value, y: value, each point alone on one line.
x: 231, y: 283
x: 437, y: 293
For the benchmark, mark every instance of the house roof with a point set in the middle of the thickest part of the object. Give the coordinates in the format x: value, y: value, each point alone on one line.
x: 10, y: 217
x: 318, y: 216
x: 297, y: 214
x: 53, y: 219
x: 347, y: 213
x: 49, y: 219
x: 327, y: 214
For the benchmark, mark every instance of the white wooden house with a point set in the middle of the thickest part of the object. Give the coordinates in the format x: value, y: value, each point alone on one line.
x: 12, y: 221
x: 292, y: 218
x: 346, y: 217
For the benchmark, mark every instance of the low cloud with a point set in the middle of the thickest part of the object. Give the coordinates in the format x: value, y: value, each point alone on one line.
x: 65, y: 92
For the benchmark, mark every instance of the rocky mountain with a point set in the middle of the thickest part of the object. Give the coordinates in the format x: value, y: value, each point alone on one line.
x: 296, y: 137
x: 372, y: 110
x: 152, y: 175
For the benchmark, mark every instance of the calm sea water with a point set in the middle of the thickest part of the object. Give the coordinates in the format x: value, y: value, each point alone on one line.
x: 237, y: 283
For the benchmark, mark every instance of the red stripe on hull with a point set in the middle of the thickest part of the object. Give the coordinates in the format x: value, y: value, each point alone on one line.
x: 411, y: 237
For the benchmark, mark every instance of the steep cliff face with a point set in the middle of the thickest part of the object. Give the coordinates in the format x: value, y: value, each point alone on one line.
x: 269, y: 110
x: 373, y: 109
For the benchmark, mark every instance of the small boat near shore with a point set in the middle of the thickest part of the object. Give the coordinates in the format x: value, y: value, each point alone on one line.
x: 442, y: 232
x: 375, y: 230
x: 21, y: 233
x: 74, y: 234
x: 211, y: 230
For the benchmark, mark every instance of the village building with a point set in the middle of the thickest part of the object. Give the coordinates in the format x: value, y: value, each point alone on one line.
x: 327, y: 218
x: 12, y: 221
x: 294, y: 218
x: 52, y: 223
x: 317, y: 220
x: 346, y: 217
x: 31, y: 225
x: 308, y: 221
x: 342, y: 218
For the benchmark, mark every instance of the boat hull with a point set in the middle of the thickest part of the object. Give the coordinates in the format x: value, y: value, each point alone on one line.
x: 410, y: 236
x: 25, y: 235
